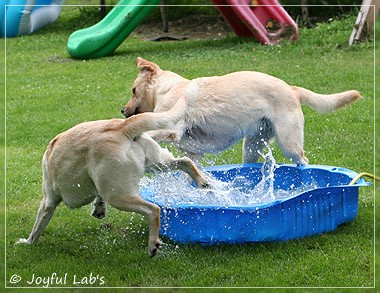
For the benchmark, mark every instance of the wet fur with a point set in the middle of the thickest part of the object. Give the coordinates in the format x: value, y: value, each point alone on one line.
x: 221, y: 110
x: 103, y: 161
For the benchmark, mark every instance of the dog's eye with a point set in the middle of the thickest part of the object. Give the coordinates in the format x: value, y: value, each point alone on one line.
x: 134, y: 91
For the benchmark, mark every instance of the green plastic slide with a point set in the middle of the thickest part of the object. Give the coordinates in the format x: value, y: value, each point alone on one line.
x: 103, y: 38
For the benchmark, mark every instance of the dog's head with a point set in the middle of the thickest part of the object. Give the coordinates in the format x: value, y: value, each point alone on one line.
x: 143, y: 90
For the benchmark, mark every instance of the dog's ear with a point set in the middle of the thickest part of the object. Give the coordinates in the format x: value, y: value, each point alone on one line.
x: 146, y: 65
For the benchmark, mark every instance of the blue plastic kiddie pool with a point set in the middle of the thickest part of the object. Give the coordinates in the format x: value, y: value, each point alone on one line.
x: 316, y: 211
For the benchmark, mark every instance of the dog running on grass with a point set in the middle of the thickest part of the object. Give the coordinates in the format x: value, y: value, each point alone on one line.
x: 104, y: 160
x: 223, y: 109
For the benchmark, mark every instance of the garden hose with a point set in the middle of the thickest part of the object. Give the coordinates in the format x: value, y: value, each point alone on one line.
x: 353, y: 181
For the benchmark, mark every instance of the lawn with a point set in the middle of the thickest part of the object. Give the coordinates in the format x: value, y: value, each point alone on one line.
x: 47, y: 93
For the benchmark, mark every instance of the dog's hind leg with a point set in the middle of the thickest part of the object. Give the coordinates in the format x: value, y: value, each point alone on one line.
x: 289, y: 136
x: 99, y: 208
x: 151, y: 211
x: 44, y: 215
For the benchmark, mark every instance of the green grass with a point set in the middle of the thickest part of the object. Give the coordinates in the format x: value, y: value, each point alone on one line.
x: 47, y: 92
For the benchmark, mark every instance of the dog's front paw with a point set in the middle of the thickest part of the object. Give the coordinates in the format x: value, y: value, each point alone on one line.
x: 173, y: 137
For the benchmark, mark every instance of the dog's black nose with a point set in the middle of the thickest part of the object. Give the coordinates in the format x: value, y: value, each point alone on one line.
x: 122, y: 111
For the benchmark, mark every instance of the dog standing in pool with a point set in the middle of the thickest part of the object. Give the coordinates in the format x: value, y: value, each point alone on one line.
x: 103, y: 161
x: 223, y: 109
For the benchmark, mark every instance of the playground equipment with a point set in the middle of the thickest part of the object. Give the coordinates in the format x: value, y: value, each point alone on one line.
x: 22, y: 17
x: 264, y: 19
x: 104, y: 37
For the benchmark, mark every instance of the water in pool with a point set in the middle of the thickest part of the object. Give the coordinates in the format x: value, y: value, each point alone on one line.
x: 174, y: 189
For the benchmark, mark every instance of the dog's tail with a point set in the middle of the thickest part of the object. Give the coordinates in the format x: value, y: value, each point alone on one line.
x: 137, y: 124
x: 326, y: 103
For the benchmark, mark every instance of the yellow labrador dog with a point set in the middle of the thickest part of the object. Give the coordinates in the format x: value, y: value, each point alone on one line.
x: 104, y: 160
x: 223, y: 109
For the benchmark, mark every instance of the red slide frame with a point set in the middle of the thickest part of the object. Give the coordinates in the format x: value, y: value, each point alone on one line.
x: 266, y: 20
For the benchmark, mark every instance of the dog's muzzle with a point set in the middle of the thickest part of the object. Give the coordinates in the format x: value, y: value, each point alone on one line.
x: 127, y: 113
x: 123, y: 111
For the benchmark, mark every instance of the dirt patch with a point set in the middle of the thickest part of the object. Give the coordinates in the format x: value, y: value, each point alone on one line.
x: 190, y: 27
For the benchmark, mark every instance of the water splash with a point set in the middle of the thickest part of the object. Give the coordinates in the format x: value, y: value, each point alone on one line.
x: 265, y: 187
x: 176, y: 189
